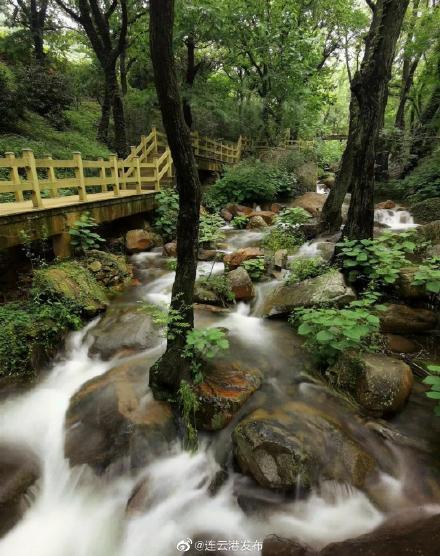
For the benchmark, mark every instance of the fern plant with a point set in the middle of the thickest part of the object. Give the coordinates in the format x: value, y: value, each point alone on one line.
x: 433, y: 380
x: 83, y: 238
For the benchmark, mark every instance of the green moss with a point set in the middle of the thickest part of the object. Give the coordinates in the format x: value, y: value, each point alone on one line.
x: 70, y: 283
x: 426, y: 211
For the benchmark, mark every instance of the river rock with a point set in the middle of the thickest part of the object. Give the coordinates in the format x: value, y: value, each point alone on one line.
x: 328, y: 289
x: 241, y: 284
x: 123, y: 329
x: 297, y: 446
x: 137, y: 241
x: 170, y: 249
x: 114, y: 416
x: 238, y: 210
x: 256, y: 222
x: 71, y: 283
x: 400, y: 344
x: 235, y: 259
x: 404, y: 284
x: 311, y: 202
x: 328, y: 182
x: 431, y: 231
x: 205, y: 296
x: 277, y: 546
x: 267, y: 215
x: 426, y: 211
x: 280, y: 259
x: 210, y: 255
x: 226, y: 387
x: 380, y: 384
x: 226, y: 214
x: 401, y: 319
x: 310, y: 229
x: 112, y: 271
x: 277, y: 207
x: 19, y: 470
x: 387, y: 205
x: 326, y: 250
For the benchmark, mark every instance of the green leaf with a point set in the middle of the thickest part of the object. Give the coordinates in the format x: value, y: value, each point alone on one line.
x: 433, y: 395
x: 324, y: 336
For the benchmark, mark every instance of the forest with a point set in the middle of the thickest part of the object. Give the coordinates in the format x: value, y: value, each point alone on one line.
x: 219, y: 277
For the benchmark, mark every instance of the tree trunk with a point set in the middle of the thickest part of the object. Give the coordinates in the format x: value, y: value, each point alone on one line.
x: 369, y: 93
x: 119, y: 123
x: 123, y: 71
x: 167, y: 374
x: 37, y: 20
x: 104, y: 122
x: 189, y: 80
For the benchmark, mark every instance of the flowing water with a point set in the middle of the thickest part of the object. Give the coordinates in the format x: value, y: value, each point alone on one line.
x: 73, y: 512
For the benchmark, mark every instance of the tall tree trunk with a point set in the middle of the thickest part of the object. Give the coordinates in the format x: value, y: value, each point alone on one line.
x: 37, y: 19
x: 123, y: 70
x: 104, y: 121
x: 167, y: 374
x: 189, y: 80
x: 369, y: 92
x: 119, y: 122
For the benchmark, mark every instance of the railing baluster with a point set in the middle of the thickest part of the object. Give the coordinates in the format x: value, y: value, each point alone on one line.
x: 15, y: 177
x: 52, y: 178
x: 32, y: 176
x: 113, y: 159
x: 79, y: 174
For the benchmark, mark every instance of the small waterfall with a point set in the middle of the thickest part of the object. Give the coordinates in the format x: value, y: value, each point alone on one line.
x: 322, y: 189
x: 395, y: 219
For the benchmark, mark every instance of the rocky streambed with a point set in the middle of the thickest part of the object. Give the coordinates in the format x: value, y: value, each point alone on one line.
x: 92, y: 465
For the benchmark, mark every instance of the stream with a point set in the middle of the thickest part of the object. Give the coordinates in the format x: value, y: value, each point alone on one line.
x: 74, y: 512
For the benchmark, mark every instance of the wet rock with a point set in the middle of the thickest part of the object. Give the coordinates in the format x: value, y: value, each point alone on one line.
x: 123, y: 329
x: 238, y: 210
x: 328, y: 289
x: 277, y: 207
x: 414, y: 538
x: 170, y: 249
x: 71, y: 283
x: 380, y: 384
x: 311, y: 202
x: 387, y: 205
x: 326, y: 250
x: 277, y: 546
x: 297, y: 446
x: 211, y: 308
x: 401, y: 319
x: 226, y: 387
x: 235, y: 259
x: 241, y: 284
x: 400, y: 344
x: 310, y: 229
x: 205, y: 296
x: 433, y: 251
x: 267, y: 215
x: 112, y: 271
x: 19, y: 470
x: 328, y: 182
x: 137, y: 241
x: 210, y: 255
x: 226, y: 214
x: 404, y: 285
x: 280, y: 258
x: 256, y: 222
x: 114, y: 417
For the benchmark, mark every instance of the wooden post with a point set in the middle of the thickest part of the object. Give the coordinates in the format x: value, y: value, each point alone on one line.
x: 144, y: 147
x: 15, y: 177
x: 170, y: 164
x: 156, y: 173
x: 32, y: 176
x: 79, y: 175
x: 52, y: 178
x: 113, y: 159
x: 137, y: 163
x: 123, y: 176
x: 155, y: 149
x: 102, y: 174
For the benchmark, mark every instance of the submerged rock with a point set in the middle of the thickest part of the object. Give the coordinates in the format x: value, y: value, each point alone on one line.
x: 123, y: 329
x: 137, y: 241
x: 311, y: 202
x: 241, y: 284
x: 297, y: 446
x: 235, y: 259
x: 226, y: 387
x: 401, y: 319
x: 114, y: 417
x: 328, y: 289
x: 19, y: 470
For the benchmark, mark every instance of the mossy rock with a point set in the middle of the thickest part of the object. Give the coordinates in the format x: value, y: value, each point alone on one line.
x: 426, y: 211
x: 110, y: 270
x: 73, y: 284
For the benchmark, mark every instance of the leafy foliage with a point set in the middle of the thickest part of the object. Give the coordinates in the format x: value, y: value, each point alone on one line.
x: 167, y: 211
x: 306, y: 267
x: 255, y: 267
x: 293, y: 216
x: 283, y: 237
x: 427, y: 210
x: 206, y: 342
x: 189, y: 405
x: 82, y: 237
x: 434, y: 382
x: 377, y: 260
x: 11, y: 102
x: 329, y: 332
x: 240, y: 222
x: 219, y: 285
x: 428, y: 275
x: 210, y: 228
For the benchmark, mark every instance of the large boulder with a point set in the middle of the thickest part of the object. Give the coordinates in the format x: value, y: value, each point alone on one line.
x: 328, y: 289
x: 226, y: 387
x: 241, y: 284
x: 380, y: 384
x: 238, y: 210
x: 112, y: 271
x: 298, y: 446
x: 267, y: 215
x: 123, y: 330
x: 19, y: 470
x: 140, y: 240
x: 72, y: 284
x: 256, y: 222
x: 311, y: 202
x: 401, y: 319
x: 404, y: 285
x: 400, y: 344
x: 114, y: 418
x: 234, y: 260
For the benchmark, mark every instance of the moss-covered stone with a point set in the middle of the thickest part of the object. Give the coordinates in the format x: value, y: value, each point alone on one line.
x: 110, y: 270
x: 71, y: 283
x: 426, y: 211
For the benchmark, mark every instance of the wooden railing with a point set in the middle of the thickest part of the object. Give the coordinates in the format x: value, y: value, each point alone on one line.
x: 147, y: 166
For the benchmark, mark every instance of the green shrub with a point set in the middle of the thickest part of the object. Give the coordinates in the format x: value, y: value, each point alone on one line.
x: 304, y: 268
x: 218, y: 284
x: 11, y: 101
x: 283, y: 237
x: 330, y: 332
x: 428, y: 275
x: 434, y: 382
x: 377, y: 260
x: 423, y: 182
x: 166, y: 214
x: 82, y: 237
x: 251, y: 181
x: 210, y: 229
x: 255, y: 267
x: 426, y: 211
x: 293, y: 216
x: 240, y: 222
